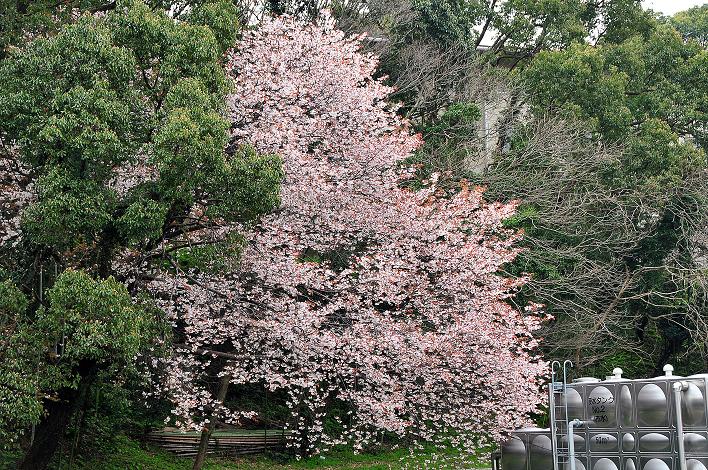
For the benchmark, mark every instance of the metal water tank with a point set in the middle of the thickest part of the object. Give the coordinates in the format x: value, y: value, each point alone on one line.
x: 540, y: 452
x: 605, y: 463
x: 652, y: 401
x: 629, y: 442
x: 655, y: 442
x: 697, y: 464
x: 626, y: 403
x: 696, y: 442
x: 602, y: 405
x: 514, y: 454
x: 579, y: 465
x: 657, y: 464
x: 693, y: 403
x: 574, y: 401
x: 634, y: 426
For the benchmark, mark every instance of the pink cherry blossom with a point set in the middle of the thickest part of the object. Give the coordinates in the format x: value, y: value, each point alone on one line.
x: 355, y: 290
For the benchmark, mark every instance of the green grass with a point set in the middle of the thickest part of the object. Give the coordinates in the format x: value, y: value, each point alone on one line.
x: 131, y: 455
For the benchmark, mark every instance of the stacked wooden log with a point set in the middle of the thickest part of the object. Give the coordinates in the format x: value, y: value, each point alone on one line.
x: 238, y: 442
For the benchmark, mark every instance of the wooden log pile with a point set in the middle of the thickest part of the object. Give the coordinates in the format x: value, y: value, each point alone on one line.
x: 223, y: 443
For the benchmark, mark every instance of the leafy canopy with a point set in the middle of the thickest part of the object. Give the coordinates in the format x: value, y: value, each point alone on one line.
x: 117, y: 121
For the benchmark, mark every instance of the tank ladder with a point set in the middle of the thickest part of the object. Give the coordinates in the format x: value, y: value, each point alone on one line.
x: 558, y: 410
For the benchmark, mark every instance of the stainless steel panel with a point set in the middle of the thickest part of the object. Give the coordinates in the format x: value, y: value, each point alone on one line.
x: 514, y: 454
x: 540, y: 455
x: 629, y: 442
x: 626, y: 403
x: 604, y: 442
x: 655, y: 442
x: 697, y: 464
x: 578, y: 440
x: 629, y: 464
x: 579, y: 465
x: 652, y: 403
x: 696, y: 442
x: 657, y: 464
x: 605, y: 463
x: 693, y: 404
x: 574, y: 401
x: 602, y: 406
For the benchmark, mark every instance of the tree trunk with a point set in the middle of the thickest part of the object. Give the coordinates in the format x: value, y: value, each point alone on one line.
x: 50, y: 431
x: 206, y: 431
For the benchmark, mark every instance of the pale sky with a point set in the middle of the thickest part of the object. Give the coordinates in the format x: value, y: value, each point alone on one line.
x: 669, y: 7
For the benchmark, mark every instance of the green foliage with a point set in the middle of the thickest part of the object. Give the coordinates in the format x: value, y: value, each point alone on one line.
x: 101, y: 93
x: 212, y: 258
x: 647, y: 93
x: 618, y: 20
x: 112, y: 408
x: 94, y: 320
x: 13, y: 302
x: 451, y: 20
x: 68, y: 100
x: 560, y: 22
x: 142, y: 220
x: 17, y: 405
x: 68, y: 210
x: 189, y: 146
x: 656, y: 159
x: 221, y: 17
x: 87, y: 321
x: 549, y: 24
x: 167, y: 52
x: 693, y: 24
x: 121, y: 122
x: 251, y: 177
x: 20, y: 18
x: 574, y: 83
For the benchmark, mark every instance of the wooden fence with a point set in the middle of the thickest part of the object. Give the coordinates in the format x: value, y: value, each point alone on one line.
x: 238, y: 442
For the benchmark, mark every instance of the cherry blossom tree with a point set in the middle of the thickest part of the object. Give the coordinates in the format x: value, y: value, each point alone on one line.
x: 355, y: 291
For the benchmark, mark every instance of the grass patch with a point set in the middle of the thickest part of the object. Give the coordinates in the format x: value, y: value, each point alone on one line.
x: 131, y: 455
